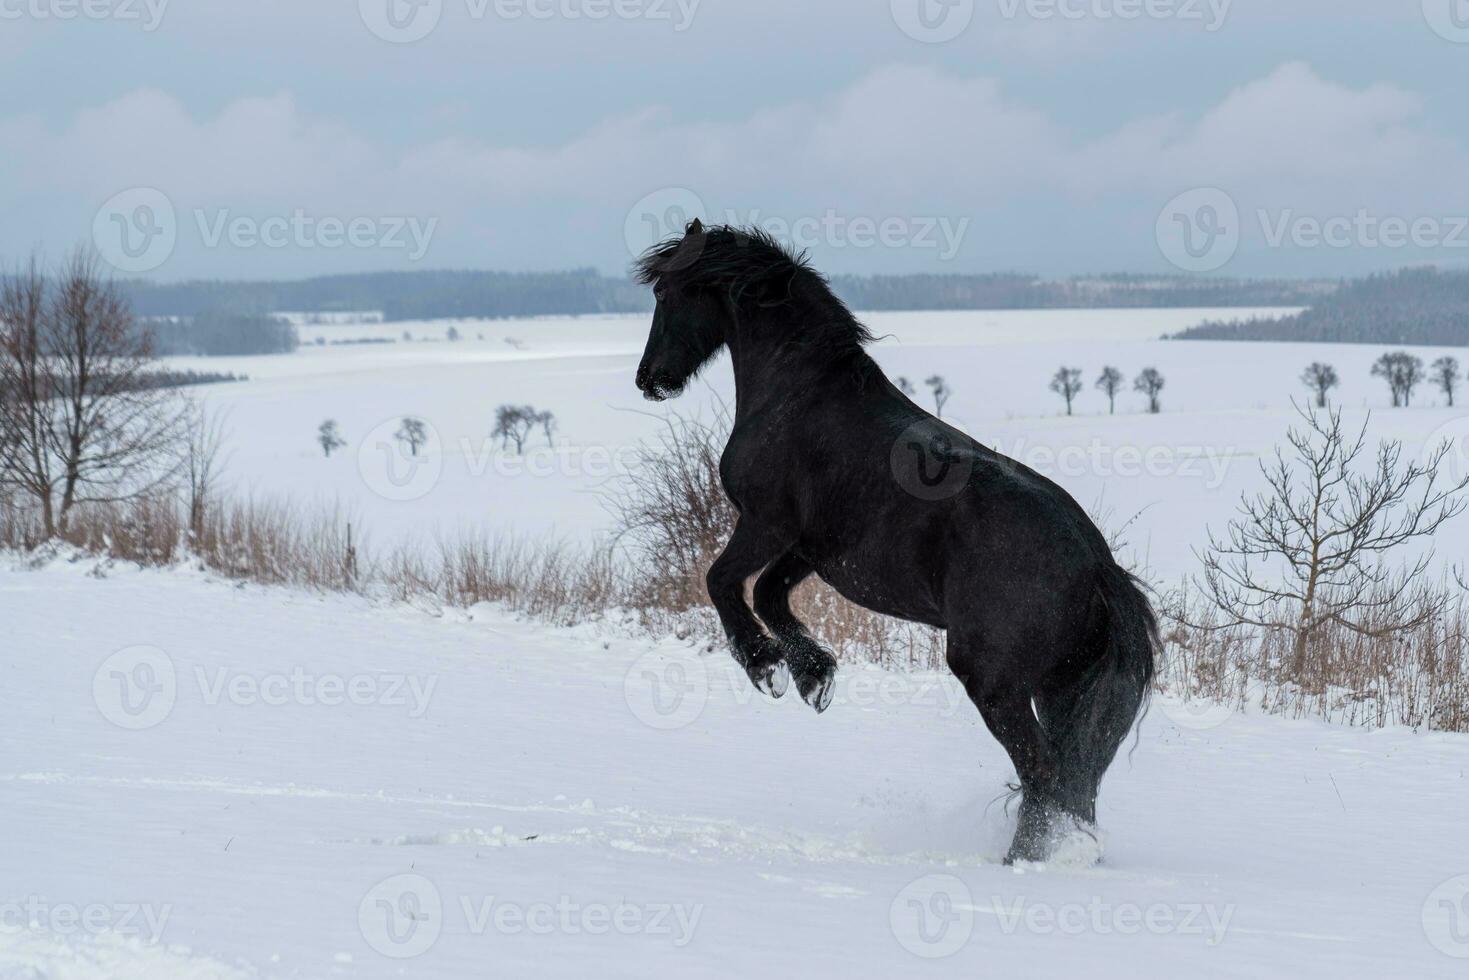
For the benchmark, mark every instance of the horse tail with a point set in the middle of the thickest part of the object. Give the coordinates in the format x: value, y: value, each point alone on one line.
x: 1088, y: 714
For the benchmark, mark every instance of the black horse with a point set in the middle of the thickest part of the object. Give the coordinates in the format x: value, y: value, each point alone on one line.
x: 835, y: 471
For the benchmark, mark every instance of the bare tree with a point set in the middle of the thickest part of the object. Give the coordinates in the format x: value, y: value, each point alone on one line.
x: 1320, y: 378
x: 1150, y: 383
x: 941, y: 393
x: 1403, y: 373
x: 513, y: 424
x: 547, y: 423
x: 1310, y: 550
x: 906, y: 386
x: 329, y: 437
x: 1066, y: 382
x: 1110, y: 382
x: 1446, y: 376
x: 82, y: 423
x: 202, y: 465
x: 413, y: 433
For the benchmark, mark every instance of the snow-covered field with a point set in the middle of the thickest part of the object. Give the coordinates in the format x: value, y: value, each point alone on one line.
x: 272, y: 784
x: 199, y: 780
x: 1225, y: 405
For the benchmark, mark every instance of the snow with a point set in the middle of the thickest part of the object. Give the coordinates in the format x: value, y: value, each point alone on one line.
x: 327, y: 787
x: 1167, y: 477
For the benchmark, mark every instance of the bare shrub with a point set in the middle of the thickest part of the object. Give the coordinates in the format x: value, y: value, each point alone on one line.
x: 1312, y: 550
x: 671, y: 512
x: 673, y: 520
x: 1417, y: 677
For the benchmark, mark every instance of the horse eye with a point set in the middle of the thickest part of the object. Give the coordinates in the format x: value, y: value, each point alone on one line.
x: 659, y: 292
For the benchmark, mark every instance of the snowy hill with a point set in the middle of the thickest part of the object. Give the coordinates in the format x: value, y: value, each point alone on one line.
x: 277, y: 784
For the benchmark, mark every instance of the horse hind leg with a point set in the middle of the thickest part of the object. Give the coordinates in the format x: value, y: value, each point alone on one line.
x: 1006, y: 706
x: 812, y: 667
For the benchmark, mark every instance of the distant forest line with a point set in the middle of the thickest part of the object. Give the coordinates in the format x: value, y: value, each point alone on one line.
x: 1417, y: 307
x: 493, y: 295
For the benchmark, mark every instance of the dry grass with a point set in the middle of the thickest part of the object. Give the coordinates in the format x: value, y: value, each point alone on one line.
x: 1417, y: 677
x: 673, y: 518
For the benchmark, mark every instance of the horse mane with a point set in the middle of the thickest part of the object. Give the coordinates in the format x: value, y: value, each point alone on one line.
x: 756, y: 271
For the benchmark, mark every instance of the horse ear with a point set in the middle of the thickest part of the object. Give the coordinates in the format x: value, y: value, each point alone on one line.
x: 688, y: 250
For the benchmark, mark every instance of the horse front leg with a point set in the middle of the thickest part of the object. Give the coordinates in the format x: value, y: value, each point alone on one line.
x: 813, y: 667
x: 749, y: 550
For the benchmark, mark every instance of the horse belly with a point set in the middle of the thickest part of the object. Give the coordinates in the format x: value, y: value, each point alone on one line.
x: 887, y: 589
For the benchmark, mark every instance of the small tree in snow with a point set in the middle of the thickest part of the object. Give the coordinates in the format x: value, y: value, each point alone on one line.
x: 1320, y: 378
x: 1403, y: 373
x: 1150, y: 383
x: 1067, y: 383
x: 906, y: 386
x: 941, y: 393
x: 513, y: 424
x: 547, y: 422
x: 1446, y: 376
x: 1110, y: 382
x: 329, y: 437
x: 412, y: 433
x: 452, y: 334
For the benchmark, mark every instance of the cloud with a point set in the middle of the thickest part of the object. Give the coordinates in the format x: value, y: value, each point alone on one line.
x: 902, y: 140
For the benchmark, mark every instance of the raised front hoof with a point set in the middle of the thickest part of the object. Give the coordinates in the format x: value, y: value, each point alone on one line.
x: 816, y: 678
x: 767, y: 670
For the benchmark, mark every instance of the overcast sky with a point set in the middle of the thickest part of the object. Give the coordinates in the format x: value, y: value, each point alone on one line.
x: 285, y: 138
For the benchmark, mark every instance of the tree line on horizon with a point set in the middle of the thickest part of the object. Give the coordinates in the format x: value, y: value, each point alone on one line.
x: 1426, y: 307
x: 428, y: 295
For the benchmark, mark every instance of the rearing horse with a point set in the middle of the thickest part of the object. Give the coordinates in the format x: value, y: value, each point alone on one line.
x: 834, y: 471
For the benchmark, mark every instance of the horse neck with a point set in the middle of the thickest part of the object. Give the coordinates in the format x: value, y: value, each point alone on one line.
x: 773, y: 364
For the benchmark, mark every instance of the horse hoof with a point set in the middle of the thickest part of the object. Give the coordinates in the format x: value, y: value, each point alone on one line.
x: 817, y: 690
x: 771, y: 678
